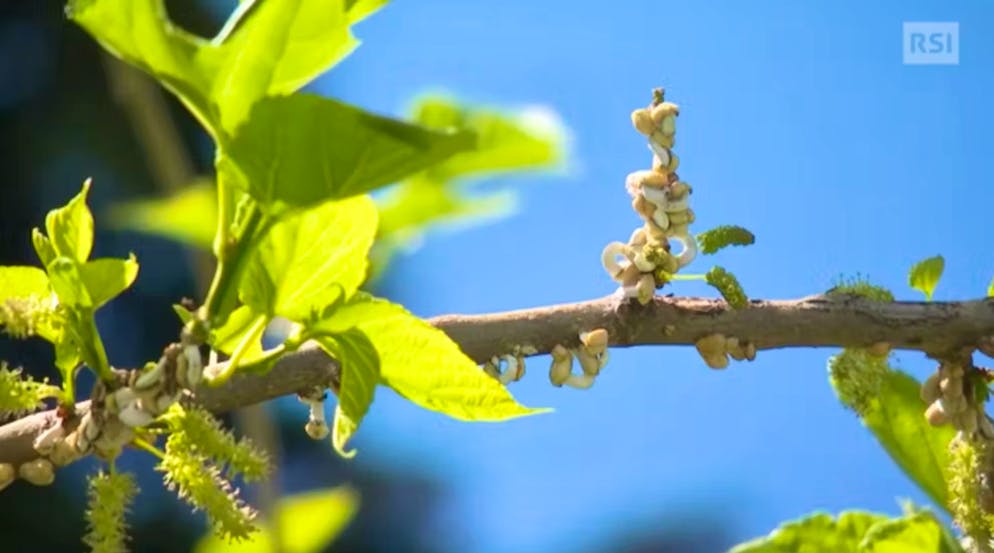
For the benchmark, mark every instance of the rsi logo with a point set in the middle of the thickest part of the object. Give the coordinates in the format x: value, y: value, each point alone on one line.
x: 931, y: 43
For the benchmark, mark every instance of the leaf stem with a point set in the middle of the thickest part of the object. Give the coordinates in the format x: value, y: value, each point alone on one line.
x: 142, y: 444
x: 687, y: 277
x: 233, y: 258
x: 253, y: 335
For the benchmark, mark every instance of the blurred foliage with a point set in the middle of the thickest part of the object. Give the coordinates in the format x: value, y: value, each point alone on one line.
x: 304, y: 523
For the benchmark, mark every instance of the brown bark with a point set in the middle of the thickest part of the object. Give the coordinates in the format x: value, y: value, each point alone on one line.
x: 936, y: 328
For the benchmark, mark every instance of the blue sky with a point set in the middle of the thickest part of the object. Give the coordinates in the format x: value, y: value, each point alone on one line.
x: 800, y: 122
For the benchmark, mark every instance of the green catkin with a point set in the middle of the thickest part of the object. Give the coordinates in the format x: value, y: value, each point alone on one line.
x: 860, y: 286
x: 110, y: 495
x: 857, y: 376
x: 728, y: 285
x: 199, y: 482
x: 20, y: 394
x: 197, y: 430
x: 968, y: 462
x: 721, y: 237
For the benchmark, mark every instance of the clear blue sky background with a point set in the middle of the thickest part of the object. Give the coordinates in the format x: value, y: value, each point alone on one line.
x: 798, y: 121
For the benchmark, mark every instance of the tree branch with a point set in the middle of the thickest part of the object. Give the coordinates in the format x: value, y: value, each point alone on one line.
x: 935, y: 328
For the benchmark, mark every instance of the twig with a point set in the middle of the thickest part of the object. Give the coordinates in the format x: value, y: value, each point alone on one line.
x: 935, y: 328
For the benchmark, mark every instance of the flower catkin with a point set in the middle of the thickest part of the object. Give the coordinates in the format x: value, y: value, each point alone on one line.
x: 109, y: 497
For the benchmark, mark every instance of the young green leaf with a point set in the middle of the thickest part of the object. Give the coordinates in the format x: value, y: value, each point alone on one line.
x: 309, y: 260
x: 301, y: 150
x: 990, y: 288
x: 70, y: 228
x: 894, y: 414
x: 105, y: 278
x: 141, y: 34
x: 925, y: 275
x: 187, y: 217
x: 360, y: 364
x: 227, y: 337
x: 919, y: 532
x: 43, y: 247
x: 422, y: 363
x: 721, y: 237
x: 272, y: 48
x: 818, y: 532
x: 528, y: 139
x: 507, y: 142
x: 280, y: 47
x: 726, y: 283
x: 21, y: 281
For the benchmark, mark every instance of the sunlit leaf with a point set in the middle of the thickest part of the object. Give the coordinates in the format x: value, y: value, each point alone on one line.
x: 280, y: 47
x: 189, y: 216
x: 507, y: 142
x: 301, y: 150
x: 276, y: 48
x: 819, y: 532
x: 360, y: 373
x: 894, y: 412
x: 107, y: 277
x: 309, y: 260
x: 22, y: 282
x: 918, y: 532
x: 422, y: 363
x: 70, y: 228
x: 925, y: 275
x: 141, y: 34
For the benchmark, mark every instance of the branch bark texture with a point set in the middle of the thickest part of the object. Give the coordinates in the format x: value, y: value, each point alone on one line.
x: 936, y: 328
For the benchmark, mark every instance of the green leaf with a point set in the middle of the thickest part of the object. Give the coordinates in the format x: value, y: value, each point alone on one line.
x: 919, y: 532
x: 360, y: 373
x: 281, y: 47
x: 80, y: 339
x: 816, y: 533
x: 308, y: 523
x: 141, y: 34
x: 70, y: 228
x: 422, y: 363
x: 105, y: 278
x: 67, y: 282
x: 188, y: 217
x: 20, y: 281
x: 309, y: 260
x: 275, y: 48
x: 528, y: 139
x: 925, y: 275
x: 301, y: 150
x: 721, y: 237
x: 726, y: 283
x: 896, y: 418
x: 507, y: 142
x: 227, y: 337
x: 990, y: 288
x: 43, y: 247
